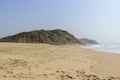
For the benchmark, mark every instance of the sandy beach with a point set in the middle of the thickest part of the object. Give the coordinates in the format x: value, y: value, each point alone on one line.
x: 109, y: 64
x: 23, y: 61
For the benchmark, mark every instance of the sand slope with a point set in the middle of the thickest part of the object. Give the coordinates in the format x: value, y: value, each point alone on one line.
x: 109, y: 64
x: 21, y: 61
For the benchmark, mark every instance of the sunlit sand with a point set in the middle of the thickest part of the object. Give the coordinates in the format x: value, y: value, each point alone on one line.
x: 22, y: 61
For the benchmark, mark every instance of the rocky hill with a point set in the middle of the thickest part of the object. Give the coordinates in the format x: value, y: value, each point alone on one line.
x: 43, y: 36
x: 88, y: 41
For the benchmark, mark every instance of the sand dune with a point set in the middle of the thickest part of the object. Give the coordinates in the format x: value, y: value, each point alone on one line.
x: 22, y: 61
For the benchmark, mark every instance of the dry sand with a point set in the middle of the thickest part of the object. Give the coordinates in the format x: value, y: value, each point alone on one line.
x: 22, y: 61
x: 109, y: 64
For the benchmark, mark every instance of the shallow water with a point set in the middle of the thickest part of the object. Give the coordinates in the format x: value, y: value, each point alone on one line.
x: 114, y: 48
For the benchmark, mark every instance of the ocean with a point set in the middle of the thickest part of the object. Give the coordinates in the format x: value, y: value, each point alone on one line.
x: 113, y: 48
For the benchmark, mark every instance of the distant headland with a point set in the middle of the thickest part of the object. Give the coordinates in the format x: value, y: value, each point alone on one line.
x: 56, y: 36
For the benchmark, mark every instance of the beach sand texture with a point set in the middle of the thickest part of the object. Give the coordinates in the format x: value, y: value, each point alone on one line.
x: 24, y: 61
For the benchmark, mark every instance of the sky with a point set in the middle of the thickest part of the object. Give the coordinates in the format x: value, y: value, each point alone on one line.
x: 93, y: 19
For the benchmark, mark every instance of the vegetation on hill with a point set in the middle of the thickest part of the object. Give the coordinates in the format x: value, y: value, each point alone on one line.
x: 43, y: 36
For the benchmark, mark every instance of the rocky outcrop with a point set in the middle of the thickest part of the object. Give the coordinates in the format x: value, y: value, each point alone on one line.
x: 88, y: 41
x: 43, y: 36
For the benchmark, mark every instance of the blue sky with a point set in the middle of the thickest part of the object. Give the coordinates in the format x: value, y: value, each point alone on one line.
x: 94, y: 19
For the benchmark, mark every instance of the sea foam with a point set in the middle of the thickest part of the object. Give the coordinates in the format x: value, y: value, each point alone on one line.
x: 114, y: 48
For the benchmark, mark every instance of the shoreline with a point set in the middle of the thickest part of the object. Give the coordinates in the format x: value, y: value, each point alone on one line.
x: 108, y: 62
x: 54, y: 62
x: 108, y: 65
x: 101, y: 50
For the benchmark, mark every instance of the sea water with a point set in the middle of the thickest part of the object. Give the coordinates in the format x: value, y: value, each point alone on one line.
x: 114, y: 48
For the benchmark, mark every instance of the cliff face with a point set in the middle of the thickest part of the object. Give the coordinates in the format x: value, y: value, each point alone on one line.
x: 88, y: 41
x: 43, y: 36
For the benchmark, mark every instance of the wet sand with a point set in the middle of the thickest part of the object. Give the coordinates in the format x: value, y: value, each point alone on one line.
x: 109, y: 64
x: 23, y: 61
